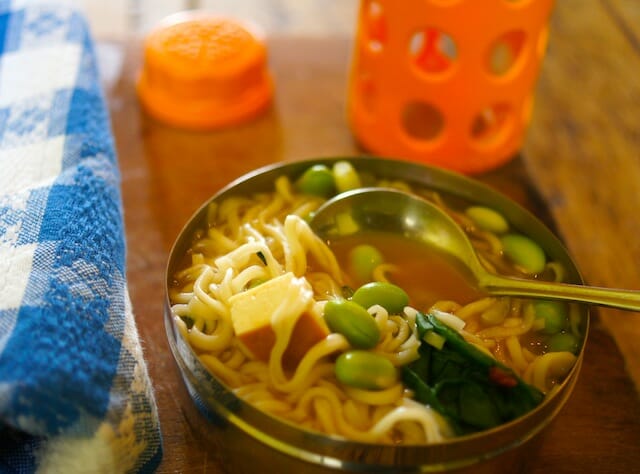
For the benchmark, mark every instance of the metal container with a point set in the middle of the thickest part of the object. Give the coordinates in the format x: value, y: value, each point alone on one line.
x: 244, y: 439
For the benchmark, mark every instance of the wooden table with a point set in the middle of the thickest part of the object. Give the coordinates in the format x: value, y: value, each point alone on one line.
x: 579, y: 170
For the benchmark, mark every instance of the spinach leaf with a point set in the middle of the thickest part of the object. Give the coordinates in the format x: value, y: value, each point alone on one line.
x: 467, y: 386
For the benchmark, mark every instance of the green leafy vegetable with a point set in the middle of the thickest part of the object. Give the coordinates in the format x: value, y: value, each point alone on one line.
x: 262, y: 258
x: 188, y: 320
x: 469, y: 387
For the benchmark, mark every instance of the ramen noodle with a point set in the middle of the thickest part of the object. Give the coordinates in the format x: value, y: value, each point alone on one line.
x: 261, y: 300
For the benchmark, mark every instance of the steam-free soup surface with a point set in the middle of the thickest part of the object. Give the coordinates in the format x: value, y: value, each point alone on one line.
x: 424, y: 273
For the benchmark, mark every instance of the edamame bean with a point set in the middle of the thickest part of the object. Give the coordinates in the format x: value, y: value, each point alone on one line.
x: 365, y: 370
x: 389, y: 296
x: 353, y: 322
x: 345, y: 176
x: 562, y: 342
x: 317, y: 180
x: 363, y: 260
x: 553, y: 313
x: 524, y: 252
x: 488, y: 219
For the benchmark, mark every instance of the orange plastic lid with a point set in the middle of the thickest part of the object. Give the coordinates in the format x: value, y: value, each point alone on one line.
x: 204, y: 71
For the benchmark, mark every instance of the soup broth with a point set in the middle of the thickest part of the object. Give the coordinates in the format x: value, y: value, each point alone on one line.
x: 424, y: 273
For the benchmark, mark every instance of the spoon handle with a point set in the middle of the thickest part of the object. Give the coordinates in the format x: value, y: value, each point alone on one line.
x: 614, y: 298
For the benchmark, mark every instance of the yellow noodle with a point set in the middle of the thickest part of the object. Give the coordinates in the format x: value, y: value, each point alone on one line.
x: 446, y: 306
x: 222, y: 291
x: 297, y: 228
x: 380, y: 271
x: 515, y: 351
x: 247, y: 389
x: 212, y: 213
x: 356, y: 414
x: 332, y: 343
x: 518, y: 328
x: 243, y: 254
x: 297, y: 299
x: 277, y: 407
x: 512, y: 322
x: 528, y: 355
x: 219, y: 242
x: 211, y: 342
x: 180, y: 309
x: 318, y: 372
x: 376, y: 397
x: 251, y: 233
x: 256, y: 394
x: 474, y: 308
x: 274, y: 206
x: 495, y: 244
x: 200, y: 311
x: 250, y: 273
x: 182, y: 327
x: 217, y: 368
x: 548, y: 368
x: 235, y: 358
x: 323, y: 285
x: 283, y: 188
x: 476, y: 340
x: 201, y: 292
x: 324, y: 410
x: 400, y: 335
x: 421, y: 414
x: 496, y: 314
x: 380, y: 315
x: 256, y: 370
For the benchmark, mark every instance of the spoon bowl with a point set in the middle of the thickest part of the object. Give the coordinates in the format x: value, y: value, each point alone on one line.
x: 392, y: 210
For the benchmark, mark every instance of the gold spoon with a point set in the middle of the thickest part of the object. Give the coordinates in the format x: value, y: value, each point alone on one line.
x: 390, y: 210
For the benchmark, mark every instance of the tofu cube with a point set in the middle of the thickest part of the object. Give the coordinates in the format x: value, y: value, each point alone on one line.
x: 252, y: 311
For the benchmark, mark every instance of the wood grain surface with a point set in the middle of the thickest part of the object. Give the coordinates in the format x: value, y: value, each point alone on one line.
x: 579, y: 170
x: 583, y: 149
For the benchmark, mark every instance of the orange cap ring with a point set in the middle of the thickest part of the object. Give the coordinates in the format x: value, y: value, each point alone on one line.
x: 203, y: 71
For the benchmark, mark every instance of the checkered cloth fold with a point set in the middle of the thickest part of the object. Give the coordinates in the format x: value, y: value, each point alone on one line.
x: 75, y: 395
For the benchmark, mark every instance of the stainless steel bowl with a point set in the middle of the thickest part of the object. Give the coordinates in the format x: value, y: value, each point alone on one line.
x: 245, y: 439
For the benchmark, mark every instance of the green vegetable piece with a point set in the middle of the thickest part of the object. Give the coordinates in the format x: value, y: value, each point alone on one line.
x: 365, y: 370
x: 476, y: 407
x: 434, y: 339
x: 389, y: 296
x: 564, y: 341
x: 317, y: 180
x: 422, y: 391
x: 457, y: 342
x: 554, y: 314
x: 471, y: 389
x: 262, y: 258
x: 524, y: 252
x: 345, y: 176
x: 363, y: 260
x: 188, y: 320
x: 487, y: 219
x: 353, y: 322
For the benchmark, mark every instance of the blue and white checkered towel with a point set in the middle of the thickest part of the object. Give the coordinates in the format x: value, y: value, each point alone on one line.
x: 74, y: 391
